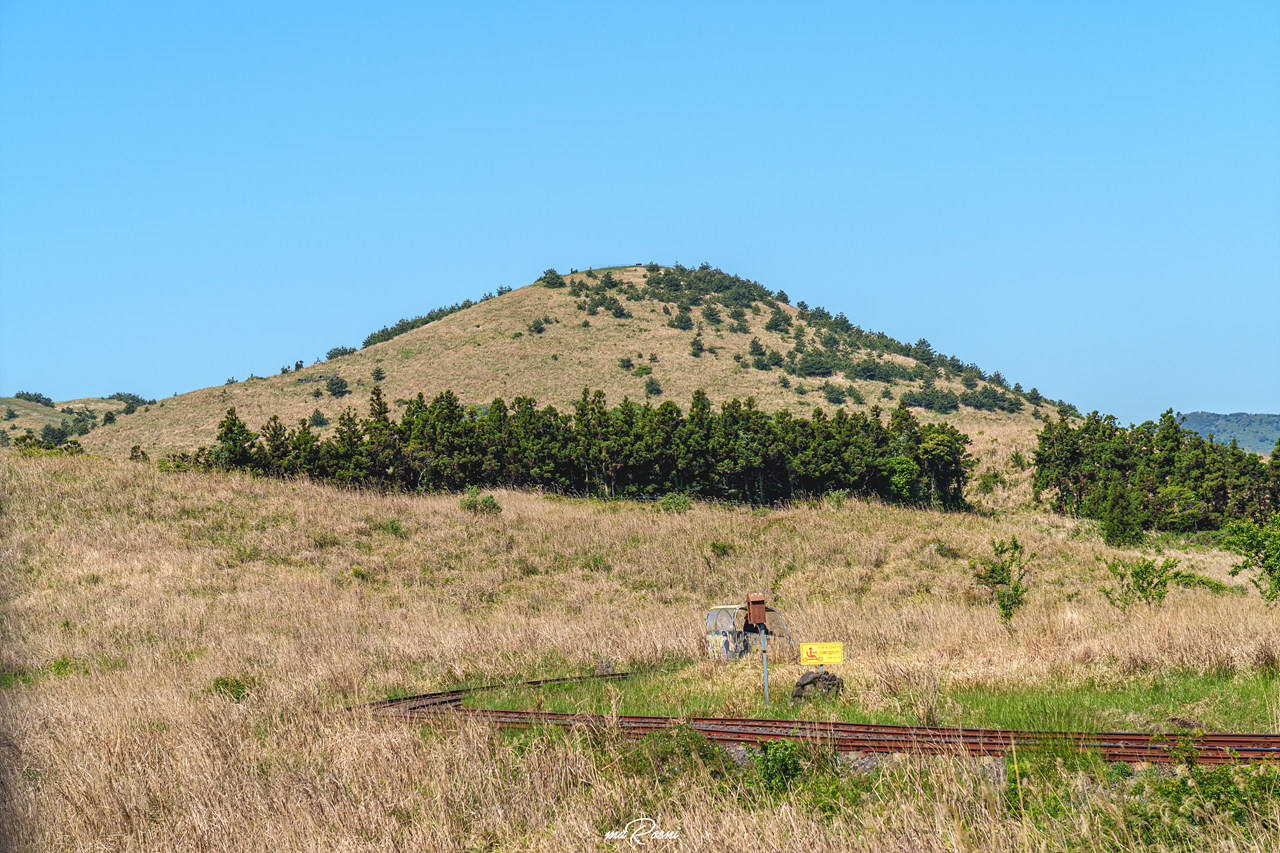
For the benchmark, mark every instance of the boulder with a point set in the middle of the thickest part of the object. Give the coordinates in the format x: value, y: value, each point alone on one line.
x: 813, y: 684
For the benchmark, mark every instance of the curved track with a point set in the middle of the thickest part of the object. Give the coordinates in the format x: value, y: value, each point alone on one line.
x: 1208, y: 748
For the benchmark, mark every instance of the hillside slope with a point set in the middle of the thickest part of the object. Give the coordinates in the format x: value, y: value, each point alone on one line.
x: 493, y: 349
x: 1254, y: 433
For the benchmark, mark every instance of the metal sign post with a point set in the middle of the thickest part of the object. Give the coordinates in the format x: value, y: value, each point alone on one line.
x: 757, y: 615
x: 764, y: 656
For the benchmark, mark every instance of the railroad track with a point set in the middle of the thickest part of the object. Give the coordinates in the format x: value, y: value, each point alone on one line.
x: 1132, y: 747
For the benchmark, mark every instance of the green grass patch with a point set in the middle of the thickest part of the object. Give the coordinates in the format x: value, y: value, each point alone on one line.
x: 1165, y: 703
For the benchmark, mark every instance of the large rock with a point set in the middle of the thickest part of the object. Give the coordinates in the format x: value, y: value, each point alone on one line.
x: 813, y: 684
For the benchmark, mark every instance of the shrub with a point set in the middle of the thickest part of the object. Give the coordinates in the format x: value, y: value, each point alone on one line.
x: 477, y: 504
x: 33, y: 397
x: 626, y: 363
x: 137, y: 454
x: 988, y: 481
x: 1002, y: 574
x: 652, y: 387
x: 1142, y: 581
x: 1260, y: 547
x: 643, y: 370
x: 552, y: 279
x: 834, y: 394
x: 318, y: 419
x: 4, y: 438
x: 673, y: 502
x: 537, y: 327
x: 681, y: 320
x: 779, y: 764
x: 378, y: 374
x: 338, y: 352
x: 337, y: 386
x: 696, y: 348
x: 9, y: 413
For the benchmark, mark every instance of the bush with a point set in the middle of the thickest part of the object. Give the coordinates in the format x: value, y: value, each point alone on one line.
x: 378, y: 374
x: 9, y: 413
x: 696, y: 348
x: 537, y: 327
x: 1002, y: 574
x: 652, y: 387
x: 337, y: 386
x: 1142, y: 581
x: 681, y: 320
x: 318, y: 419
x: 552, y: 279
x: 626, y: 363
x: 338, y: 352
x: 33, y: 397
x: 677, y: 503
x: 477, y: 504
x: 779, y: 764
x: 1260, y: 547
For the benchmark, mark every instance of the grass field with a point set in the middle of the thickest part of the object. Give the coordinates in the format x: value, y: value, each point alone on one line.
x: 175, y: 652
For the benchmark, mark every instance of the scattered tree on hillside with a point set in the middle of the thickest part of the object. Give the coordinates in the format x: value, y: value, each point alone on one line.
x: 34, y: 397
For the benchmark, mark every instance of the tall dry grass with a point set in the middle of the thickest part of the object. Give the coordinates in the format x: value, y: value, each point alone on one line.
x: 127, y: 594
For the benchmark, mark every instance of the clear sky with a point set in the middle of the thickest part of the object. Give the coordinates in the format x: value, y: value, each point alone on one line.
x: 1082, y: 195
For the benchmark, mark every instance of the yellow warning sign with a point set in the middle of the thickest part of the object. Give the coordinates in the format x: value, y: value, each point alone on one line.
x: 815, y: 654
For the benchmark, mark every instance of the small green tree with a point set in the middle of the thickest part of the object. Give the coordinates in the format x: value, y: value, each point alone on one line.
x: 9, y: 413
x: 1141, y: 581
x: 337, y: 386
x: 1260, y: 547
x: 378, y: 374
x: 318, y: 419
x: 1121, y: 521
x: 652, y: 387
x: 696, y: 349
x: 109, y: 418
x: 552, y: 279
x: 477, y: 504
x: 1003, y: 574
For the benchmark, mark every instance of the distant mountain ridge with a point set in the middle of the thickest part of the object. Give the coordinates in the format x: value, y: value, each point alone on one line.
x: 1257, y: 433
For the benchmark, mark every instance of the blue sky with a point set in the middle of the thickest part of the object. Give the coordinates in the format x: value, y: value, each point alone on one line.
x: 1084, y: 196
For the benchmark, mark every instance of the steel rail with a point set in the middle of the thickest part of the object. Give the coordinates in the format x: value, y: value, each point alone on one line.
x: 1132, y: 747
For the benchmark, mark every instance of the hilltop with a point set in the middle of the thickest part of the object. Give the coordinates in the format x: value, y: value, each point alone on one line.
x: 635, y: 332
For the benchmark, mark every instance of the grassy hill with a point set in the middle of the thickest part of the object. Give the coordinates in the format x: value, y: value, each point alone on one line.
x: 34, y: 417
x: 1255, y: 433
x: 547, y: 343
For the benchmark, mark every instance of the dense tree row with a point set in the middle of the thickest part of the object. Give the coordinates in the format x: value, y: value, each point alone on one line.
x: 738, y: 453
x: 1153, y: 476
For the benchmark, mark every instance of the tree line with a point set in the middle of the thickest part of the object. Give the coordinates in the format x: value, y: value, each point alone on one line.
x: 1157, y: 476
x: 738, y: 453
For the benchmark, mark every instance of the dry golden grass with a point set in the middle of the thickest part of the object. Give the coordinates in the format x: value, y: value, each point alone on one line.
x: 124, y: 595
x: 34, y: 417
x: 476, y: 353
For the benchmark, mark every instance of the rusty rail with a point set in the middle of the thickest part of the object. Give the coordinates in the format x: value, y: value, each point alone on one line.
x: 1131, y: 747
